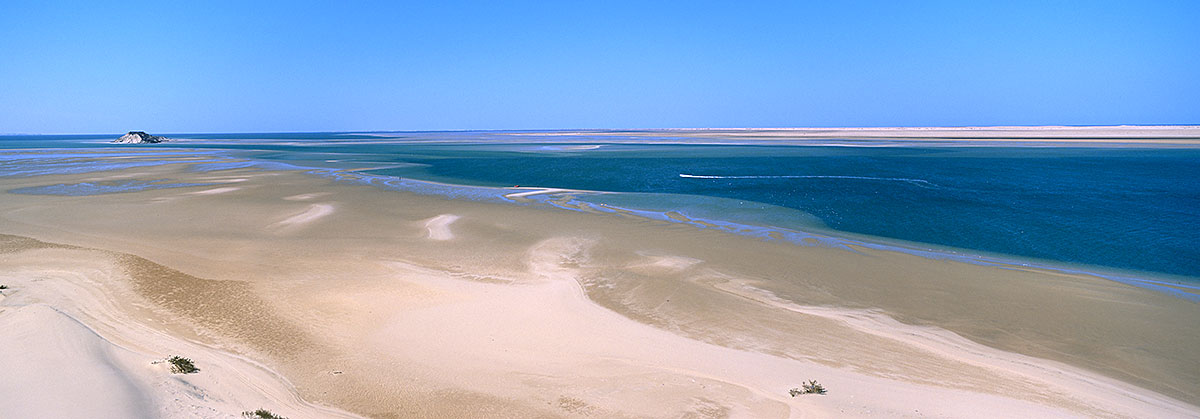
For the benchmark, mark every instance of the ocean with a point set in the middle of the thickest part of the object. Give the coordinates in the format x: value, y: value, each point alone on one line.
x: 1120, y: 209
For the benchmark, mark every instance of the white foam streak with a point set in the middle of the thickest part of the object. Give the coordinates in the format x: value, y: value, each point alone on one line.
x: 894, y: 179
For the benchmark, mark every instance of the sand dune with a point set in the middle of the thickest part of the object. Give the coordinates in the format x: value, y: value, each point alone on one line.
x: 547, y: 323
x: 53, y: 366
x: 68, y: 350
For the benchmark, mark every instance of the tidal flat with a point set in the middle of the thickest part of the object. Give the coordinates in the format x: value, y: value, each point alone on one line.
x: 340, y: 290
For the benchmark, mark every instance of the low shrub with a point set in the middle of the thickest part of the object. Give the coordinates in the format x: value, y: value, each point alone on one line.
x: 814, y: 388
x: 181, y: 365
x: 262, y: 414
x: 811, y: 387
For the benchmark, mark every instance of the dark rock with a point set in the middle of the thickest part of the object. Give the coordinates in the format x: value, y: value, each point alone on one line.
x: 139, y: 137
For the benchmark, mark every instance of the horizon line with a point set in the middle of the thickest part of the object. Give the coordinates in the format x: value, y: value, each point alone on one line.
x: 795, y: 128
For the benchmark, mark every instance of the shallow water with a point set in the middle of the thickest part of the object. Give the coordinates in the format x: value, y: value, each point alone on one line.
x: 1130, y: 209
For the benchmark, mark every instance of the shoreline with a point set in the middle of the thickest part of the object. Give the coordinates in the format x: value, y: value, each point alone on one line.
x: 1126, y: 273
x: 1118, y: 136
x: 367, y: 273
x: 1012, y: 133
x: 568, y: 199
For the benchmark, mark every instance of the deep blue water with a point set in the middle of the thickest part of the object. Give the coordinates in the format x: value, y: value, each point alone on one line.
x: 1131, y: 209
x: 1128, y: 209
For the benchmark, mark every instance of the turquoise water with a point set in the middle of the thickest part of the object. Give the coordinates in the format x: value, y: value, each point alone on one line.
x: 1128, y: 209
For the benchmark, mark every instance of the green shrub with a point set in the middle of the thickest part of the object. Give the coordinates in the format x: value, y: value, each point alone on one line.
x: 181, y: 365
x: 811, y: 387
x: 262, y: 414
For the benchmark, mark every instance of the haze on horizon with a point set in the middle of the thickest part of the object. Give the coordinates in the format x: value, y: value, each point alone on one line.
x: 281, y: 66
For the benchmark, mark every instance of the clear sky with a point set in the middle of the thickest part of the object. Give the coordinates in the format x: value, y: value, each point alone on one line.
x: 247, y: 66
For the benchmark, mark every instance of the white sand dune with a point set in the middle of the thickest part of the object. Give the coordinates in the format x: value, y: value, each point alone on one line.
x: 547, y: 324
x: 52, y: 366
x: 67, y: 351
x: 438, y: 228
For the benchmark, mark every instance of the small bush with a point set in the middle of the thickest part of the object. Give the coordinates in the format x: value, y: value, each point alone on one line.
x: 262, y: 414
x: 814, y: 388
x: 811, y: 387
x: 181, y: 365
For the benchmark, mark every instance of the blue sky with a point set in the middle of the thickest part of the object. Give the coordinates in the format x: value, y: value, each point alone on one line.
x: 174, y: 67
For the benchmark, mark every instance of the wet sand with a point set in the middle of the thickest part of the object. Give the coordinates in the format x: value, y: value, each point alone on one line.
x: 392, y: 304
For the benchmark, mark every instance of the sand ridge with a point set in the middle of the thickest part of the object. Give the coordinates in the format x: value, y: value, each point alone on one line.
x: 68, y: 350
x: 83, y: 361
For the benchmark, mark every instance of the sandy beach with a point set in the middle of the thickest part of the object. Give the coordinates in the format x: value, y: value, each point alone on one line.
x: 785, y: 209
x: 313, y: 298
x: 1056, y: 136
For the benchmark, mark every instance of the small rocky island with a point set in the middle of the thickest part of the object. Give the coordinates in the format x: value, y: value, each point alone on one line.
x: 139, y: 137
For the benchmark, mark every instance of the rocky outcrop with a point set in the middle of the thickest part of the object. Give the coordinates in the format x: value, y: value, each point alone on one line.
x: 139, y: 137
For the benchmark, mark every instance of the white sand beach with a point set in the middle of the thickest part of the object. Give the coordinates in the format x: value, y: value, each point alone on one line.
x: 69, y: 348
x: 389, y: 304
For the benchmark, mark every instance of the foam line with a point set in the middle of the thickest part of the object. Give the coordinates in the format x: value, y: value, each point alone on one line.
x: 893, y: 179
